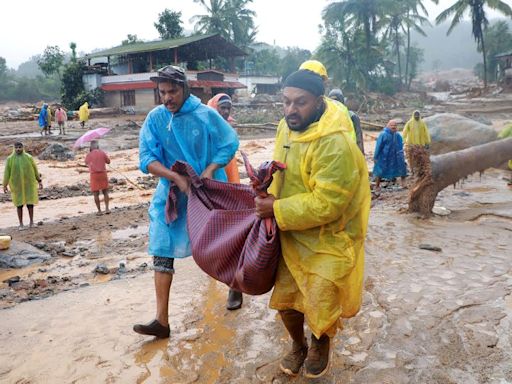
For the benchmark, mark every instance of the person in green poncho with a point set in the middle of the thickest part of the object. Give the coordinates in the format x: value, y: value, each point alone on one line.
x: 22, y: 177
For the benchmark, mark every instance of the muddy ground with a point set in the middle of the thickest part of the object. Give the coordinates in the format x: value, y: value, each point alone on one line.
x: 437, y: 301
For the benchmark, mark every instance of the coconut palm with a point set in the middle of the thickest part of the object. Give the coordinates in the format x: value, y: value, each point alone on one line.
x: 214, y: 21
x: 476, y: 9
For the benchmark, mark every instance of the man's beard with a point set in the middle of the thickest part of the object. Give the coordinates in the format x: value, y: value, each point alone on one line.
x: 310, y: 120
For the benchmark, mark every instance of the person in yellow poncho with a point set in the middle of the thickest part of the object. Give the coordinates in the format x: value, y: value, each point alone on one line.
x: 415, y: 133
x: 504, y: 133
x: 83, y: 114
x: 321, y: 204
x: 22, y: 177
x: 346, y: 120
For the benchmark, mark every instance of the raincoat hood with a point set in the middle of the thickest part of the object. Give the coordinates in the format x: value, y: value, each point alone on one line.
x: 189, y: 105
x: 327, y: 125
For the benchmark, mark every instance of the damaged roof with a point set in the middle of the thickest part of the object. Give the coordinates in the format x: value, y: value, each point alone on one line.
x: 197, y: 47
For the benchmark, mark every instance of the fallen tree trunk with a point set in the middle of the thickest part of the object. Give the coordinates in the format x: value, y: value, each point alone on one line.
x: 438, y: 172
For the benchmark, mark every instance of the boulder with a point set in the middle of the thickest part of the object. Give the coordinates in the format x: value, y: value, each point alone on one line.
x: 57, y: 151
x: 451, y: 132
x: 20, y: 255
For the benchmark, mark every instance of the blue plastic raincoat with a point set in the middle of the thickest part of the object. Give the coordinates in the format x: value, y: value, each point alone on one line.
x: 389, y: 155
x: 196, y: 134
x: 43, y: 116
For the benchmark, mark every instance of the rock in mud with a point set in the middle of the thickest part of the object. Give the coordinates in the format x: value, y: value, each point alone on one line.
x: 451, y: 132
x: 430, y: 247
x: 11, y: 280
x: 102, y: 269
x: 21, y: 255
x: 57, y: 151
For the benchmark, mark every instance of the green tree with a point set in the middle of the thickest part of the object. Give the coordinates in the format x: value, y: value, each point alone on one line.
x: 169, y: 24
x: 232, y: 19
x: 263, y: 62
x: 51, y: 61
x: 72, y: 46
x: 292, y: 60
x: 498, y: 39
x: 476, y: 9
x: 131, y: 39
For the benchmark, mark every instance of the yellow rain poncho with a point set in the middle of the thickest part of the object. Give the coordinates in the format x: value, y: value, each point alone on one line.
x: 416, y: 132
x: 346, y: 121
x: 83, y: 112
x: 504, y: 133
x: 322, y: 208
x: 21, y: 175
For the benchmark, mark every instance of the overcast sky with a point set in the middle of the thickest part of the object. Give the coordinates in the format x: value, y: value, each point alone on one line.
x: 28, y: 26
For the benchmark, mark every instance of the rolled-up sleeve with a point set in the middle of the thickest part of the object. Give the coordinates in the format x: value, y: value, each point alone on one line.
x: 150, y: 149
x: 225, y: 139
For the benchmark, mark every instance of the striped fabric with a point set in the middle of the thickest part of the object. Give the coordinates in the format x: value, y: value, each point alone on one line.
x: 229, y: 242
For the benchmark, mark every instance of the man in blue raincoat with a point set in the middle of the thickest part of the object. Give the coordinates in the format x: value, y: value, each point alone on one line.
x: 389, y: 156
x: 43, y: 119
x: 180, y: 129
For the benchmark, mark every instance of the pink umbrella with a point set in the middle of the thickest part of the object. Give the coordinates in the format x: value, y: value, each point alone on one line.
x: 90, y: 136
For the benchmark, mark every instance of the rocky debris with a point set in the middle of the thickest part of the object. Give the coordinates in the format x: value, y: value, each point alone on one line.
x: 57, y: 151
x: 451, y: 132
x: 12, y: 280
x: 430, y: 247
x: 102, y: 269
x: 21, y: 255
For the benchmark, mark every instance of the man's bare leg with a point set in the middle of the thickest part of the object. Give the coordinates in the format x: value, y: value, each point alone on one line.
x: 30, y: 208
x: 106, y: 199
x: 19, y: 210
x: 97, y: 200
x: 163, y: 283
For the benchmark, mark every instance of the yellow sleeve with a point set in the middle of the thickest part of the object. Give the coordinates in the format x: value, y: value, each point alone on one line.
x: 34, y: 166
x: 333, y: 181
x: 7, y: 173
x: 405, y: 132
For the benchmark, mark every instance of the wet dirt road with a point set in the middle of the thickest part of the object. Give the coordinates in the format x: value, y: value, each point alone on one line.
x: 428, y: 317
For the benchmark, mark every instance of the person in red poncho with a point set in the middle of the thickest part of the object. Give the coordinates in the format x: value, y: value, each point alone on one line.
x: 222, y: 103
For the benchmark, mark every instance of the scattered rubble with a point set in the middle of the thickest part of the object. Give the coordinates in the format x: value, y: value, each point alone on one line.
x: 21, y: 255
x: 57, y: 151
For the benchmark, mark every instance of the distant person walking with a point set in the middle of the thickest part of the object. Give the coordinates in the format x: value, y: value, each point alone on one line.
x: 43, y: 119
x: 415, y: 133
x: 97, y: 160
x: 83, y: 114
x: 49, y: 118
x: 22, y: 177
x: 389, y: 156
x: 61, y: 117
x: 222, y: 103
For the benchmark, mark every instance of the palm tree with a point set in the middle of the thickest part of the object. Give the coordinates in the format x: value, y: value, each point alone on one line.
x: 214, y: 20
x: 478, y: 19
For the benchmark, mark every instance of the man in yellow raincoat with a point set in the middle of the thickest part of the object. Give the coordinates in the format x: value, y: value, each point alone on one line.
x: 83, y: 114
x: 415, y: 133
x: 321, y: 203
x: 22, y: 177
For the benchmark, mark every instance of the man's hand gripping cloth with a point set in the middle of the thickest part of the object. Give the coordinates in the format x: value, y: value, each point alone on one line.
x: 229, y: 242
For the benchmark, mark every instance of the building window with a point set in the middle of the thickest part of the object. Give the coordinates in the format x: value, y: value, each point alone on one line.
x: 127, y: 98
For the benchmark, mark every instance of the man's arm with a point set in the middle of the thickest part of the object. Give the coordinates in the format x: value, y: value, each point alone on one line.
x: 7, y: 176
x: 158, y: 169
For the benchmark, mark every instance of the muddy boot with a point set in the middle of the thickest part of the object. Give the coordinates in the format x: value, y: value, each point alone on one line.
x: 153, y: 329
x: 293, y: 361
x: 235, y: 300
x: 317, y: 361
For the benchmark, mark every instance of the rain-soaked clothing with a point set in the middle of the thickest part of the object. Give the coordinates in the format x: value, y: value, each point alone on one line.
x: 195, y: 134
x: 83, y: 112
x: 389, y: 155
x: 346, y: 120
x: 416, y: 132
x: 21, y: 175
x: 43, y: 117
x: 322, y: 208
x: 232, y: 167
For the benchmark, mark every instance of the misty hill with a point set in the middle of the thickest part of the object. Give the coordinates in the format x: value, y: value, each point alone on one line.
x: 458, y: 50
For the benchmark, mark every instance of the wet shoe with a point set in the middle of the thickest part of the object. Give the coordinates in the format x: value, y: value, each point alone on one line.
x: 235, y: 300
x: 153, y: 329
x: 293, y: 361
x: 317, y: 361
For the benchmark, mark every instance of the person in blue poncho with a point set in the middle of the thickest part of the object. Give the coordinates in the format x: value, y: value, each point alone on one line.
x: 43, y: 119
x: 389, y: 156
x: 180, y: 129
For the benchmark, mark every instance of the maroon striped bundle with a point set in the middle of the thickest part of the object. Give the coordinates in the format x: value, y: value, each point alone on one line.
x: 229, y: 242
